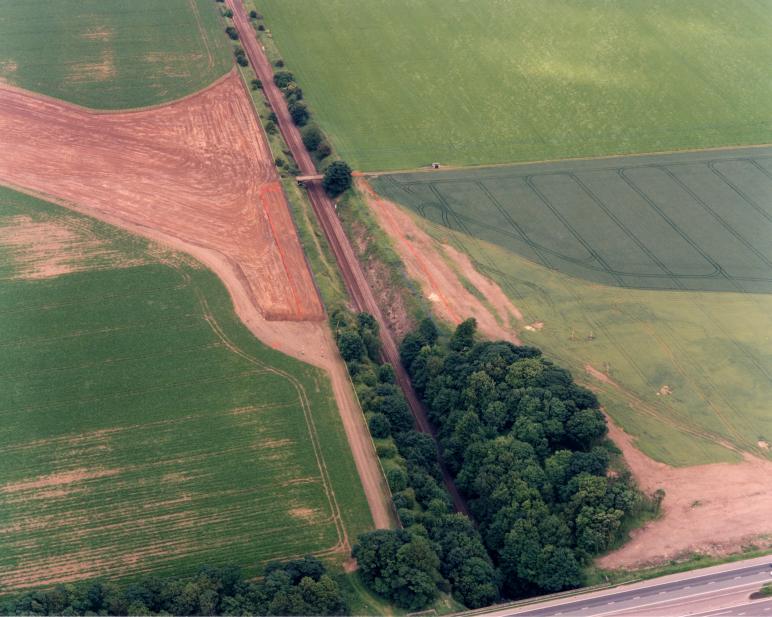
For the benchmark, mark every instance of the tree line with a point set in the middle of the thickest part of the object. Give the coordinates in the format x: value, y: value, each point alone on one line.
x: 299, y: 587
x: 437, y: 549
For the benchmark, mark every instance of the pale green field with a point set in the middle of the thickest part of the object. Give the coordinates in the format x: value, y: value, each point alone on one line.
x: 713, y: 351
x: 403, y: 83
x: 112, y: 54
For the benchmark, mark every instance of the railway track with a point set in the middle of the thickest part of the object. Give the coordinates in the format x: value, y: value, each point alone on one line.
x: 324, y: 209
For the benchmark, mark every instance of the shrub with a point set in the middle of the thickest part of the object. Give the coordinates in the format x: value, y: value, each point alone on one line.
x: 232, y: 33
x: 397, y: 480
x: 282, y: 79
x: 299, y: 112
x: 386, y: 450
x: 271, y: 128
x: 257, y: 84
x: 323, y: 151
x: 312, y: 137
x: 253, y: 14
x: 241, y: 57
x: 379, y: 426
x: 261, y: 27
x: 227, y: 13
x: 279, y: 63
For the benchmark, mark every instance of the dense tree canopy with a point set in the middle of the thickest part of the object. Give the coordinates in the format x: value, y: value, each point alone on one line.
x: 337, y: 178
x: 452, y: 555
x: 299, y: 587
x: 527, y: 448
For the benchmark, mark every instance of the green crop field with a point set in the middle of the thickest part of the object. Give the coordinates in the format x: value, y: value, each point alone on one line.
x: 112, y: 54
x: 402, y: 83
x: 143, y: 427
x: 654, y: 270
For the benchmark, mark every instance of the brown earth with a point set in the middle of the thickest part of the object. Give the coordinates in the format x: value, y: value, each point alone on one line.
x: 196, y: 175
x: 198, y: 169
x: 708, y: 509
x: 713, y: 509
x: 439, y: 269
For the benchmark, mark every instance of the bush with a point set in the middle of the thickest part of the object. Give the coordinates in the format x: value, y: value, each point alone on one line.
x: 299, y: 112
x: 293, y: 92
x: 337, y: 178
x: 261, y: 27
x: 312, y: 137
x: 282, y: 79
x: 280, y: 162
x: 379, y: 426
x: 279, y: 63
x: 241, y: 57
x: 323, y: 150
x: 227, y: 13
x: 257, y: 84
x: 271, y: 128
x: 253, y: 15
x: 232, y: 33
x: 386, y: 450
x: 397, y: 480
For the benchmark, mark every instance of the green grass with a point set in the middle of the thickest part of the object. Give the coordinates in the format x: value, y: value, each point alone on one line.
x: 111, y: 54
x: 402, y: 84
x: 143, y: 427
x: 710, y: 348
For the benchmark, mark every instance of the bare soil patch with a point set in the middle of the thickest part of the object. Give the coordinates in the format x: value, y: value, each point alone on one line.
x: 708, y: 509
x: 439, y: 269
x: 49, y: 248
x: 197, y: 170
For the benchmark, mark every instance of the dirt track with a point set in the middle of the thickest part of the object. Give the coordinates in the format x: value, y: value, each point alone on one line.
x: 195, y: 169
x: 197, y: 175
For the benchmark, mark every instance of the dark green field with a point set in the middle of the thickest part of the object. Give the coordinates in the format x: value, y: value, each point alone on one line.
x: 652, y: 270
x: 695, y: 221
x: 112, y: 54
x: 142, y: 427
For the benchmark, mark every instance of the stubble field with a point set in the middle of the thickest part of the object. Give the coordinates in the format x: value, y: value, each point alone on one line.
x: 110, y: 54
x: 650, y: 276
x: 143, y: 427
x: 401, y: 84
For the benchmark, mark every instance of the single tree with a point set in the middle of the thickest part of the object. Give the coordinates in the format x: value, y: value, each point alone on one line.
x: 337, y: 178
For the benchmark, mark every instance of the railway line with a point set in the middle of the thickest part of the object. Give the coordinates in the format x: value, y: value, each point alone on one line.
x: 359, y: 290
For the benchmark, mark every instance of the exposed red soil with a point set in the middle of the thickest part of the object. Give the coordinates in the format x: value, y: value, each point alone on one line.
x: 438, y: 268
x: 198, y: 170
x: 708, y: 509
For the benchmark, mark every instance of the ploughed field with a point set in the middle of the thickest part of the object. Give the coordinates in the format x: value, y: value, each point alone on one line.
x: 197, y: 171
x: 112, y: 54
x: 143, y: 427
x: 401, y: 84
x: 648, y: 275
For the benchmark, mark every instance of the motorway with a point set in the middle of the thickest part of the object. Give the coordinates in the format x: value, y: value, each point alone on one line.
x: 717, y: 591
x: 324, y: 208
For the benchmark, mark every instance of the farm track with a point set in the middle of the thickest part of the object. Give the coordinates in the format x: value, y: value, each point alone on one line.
x: 353, y: 276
